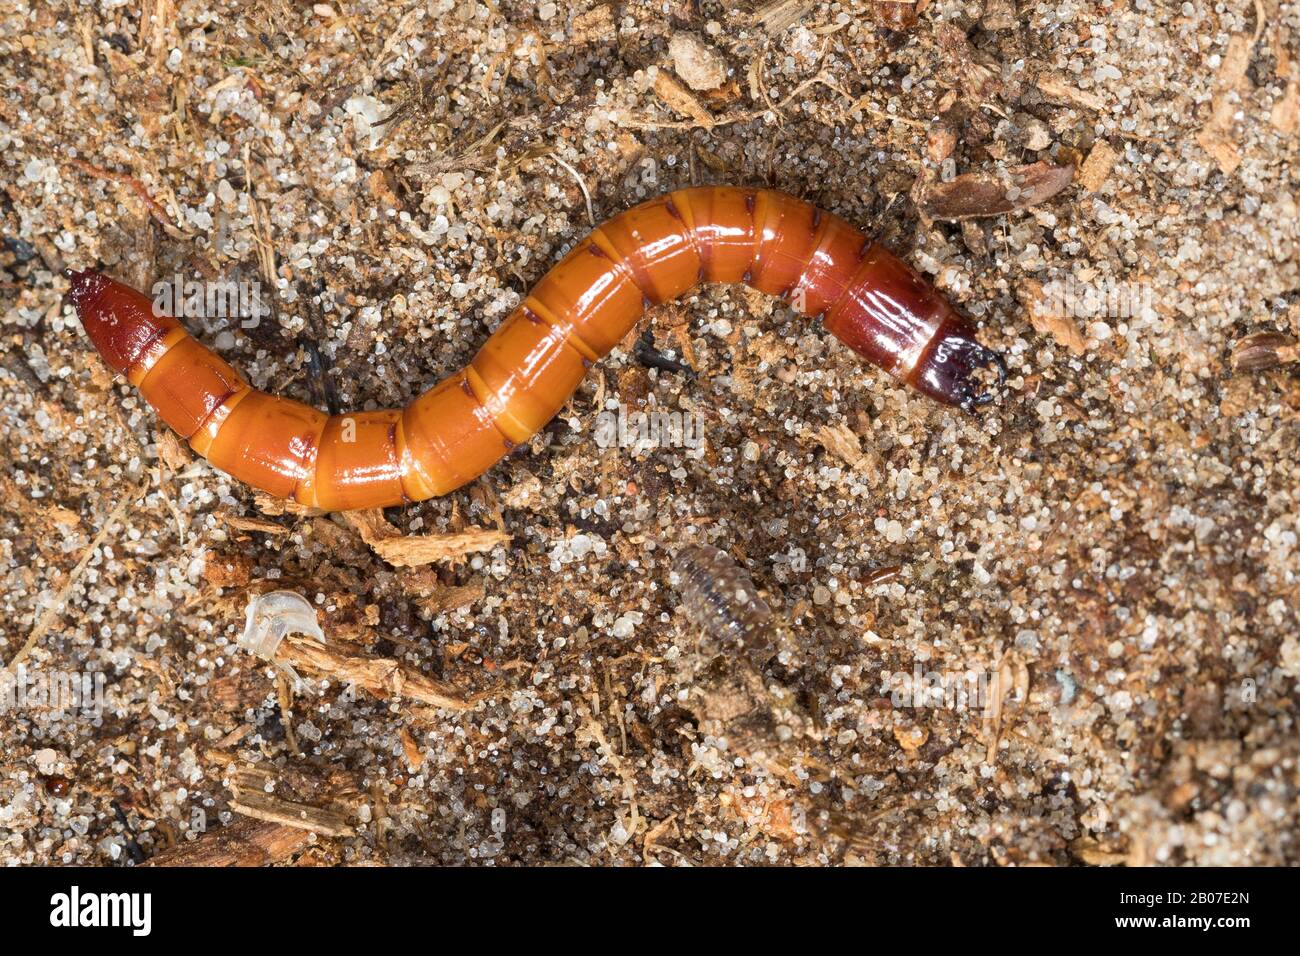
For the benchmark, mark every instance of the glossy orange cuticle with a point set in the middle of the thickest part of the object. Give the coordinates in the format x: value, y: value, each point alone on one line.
x: 531, y: 365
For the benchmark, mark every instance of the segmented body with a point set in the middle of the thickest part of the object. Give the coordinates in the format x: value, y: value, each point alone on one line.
x: 719, y: 598
x: 531, y: 365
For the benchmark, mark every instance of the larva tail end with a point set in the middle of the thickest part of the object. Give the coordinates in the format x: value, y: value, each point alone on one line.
x: 120, y: 322
x: 947, y: 370
x: 87, y: 286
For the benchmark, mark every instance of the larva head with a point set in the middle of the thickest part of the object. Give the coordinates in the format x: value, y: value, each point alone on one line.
x: 896, y: 320
x: 121, y: 322
x: 947, y: 370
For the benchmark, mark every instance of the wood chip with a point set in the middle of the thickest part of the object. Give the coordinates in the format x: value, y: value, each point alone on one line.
x: 1009, y: 684
x: 252, y: 524
x: 681, y: 100
x: 381, y: 676
x: 1216, y: 136
x: 593, y: 25
x: 1059, y: 91
x: 406, y: 551
x: 175, y: 455
x: 326, y: 822
x: 999, y: 15
x: 993, y: 193
x: 245, y: 842
x: 780, y: 15
x: 271, y: 505
x: 1090, y: 851
x: 1096, y: 168
x: 371, y: 525
x: 1286, y: 111
x: 1238, y: 397
x: 840, y: 441
x: 411, y: 750
x: 409, y: 551
x: 1047, y: 316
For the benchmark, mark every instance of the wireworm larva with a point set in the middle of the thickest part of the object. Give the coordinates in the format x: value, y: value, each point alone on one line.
x: 531, y: 365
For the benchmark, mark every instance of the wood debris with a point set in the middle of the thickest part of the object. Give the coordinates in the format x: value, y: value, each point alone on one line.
x: 141, y: 191
x: 780, y: 15
x: 592, y: 25
x: 1047, y: 316
x: 999, y: 15
x: 840, y: 441
x: 245, y: 842
x: 381, y: 676
x: 993, y: 193
x: 1009, y: 682
x: 412, y: 550
x: 1286, y: 111
x: 1216, y: 136
x: 1093, y: 853
x: 172, y: 452
x: 253, y: 794
x: 681, y: 100
x: 1059, y: 90
x: 978, y: 75
x: 1096, y: 168
x: 271, y: 505
x: 409, y: 550
x: 252, y: 524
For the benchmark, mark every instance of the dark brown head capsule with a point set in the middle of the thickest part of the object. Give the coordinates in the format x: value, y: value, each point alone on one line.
x: 946, y: 369
x: 895, y: 319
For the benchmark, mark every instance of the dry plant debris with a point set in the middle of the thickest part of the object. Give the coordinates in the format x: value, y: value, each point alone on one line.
x: 993, y: 192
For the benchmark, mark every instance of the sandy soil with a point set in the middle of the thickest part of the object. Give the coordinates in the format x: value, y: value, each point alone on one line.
x: 1113, y: 544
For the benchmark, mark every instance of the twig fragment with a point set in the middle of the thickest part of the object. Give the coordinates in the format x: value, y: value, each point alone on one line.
x: 155, y: 208
x: 405, y: 551
x: 245, y: 842
x: 381, y: 676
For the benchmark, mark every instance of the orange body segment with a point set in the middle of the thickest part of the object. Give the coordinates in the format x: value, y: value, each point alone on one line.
x: 659, y: 253
x: 357, y: 461
x: 269, y: 442
x: 724, y: 229
x: 187, y: 383
x: 528, y: 370
x: 590, y: 297
x: 531, y: 365
x: 451, y: 436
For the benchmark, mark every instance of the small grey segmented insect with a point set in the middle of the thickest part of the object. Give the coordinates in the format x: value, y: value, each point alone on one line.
x: 735, y: 691
x: 719, y: 597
